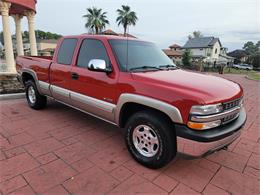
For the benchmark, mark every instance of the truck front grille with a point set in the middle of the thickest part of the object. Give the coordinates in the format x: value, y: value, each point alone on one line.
x: 229, y: 118
x: 232, y: 104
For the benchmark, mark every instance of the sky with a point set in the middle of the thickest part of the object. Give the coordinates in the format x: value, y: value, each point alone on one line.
x: 163, y: 22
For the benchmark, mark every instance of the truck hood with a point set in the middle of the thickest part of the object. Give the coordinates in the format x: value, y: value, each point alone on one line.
x: 202, y: 87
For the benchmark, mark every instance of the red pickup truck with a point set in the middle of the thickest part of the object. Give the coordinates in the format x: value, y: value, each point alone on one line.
x: 134, y: 85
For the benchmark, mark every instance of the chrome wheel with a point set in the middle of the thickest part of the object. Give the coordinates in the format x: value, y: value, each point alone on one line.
x: 31, y: 95
x: 145, y: 140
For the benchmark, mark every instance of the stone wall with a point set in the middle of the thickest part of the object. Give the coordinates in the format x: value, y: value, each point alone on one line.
x: 10, y: 84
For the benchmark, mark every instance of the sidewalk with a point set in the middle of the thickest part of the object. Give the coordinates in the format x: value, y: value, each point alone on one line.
x: 62, y: 151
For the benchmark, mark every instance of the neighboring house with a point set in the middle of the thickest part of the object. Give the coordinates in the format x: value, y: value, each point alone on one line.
x: 224, y: 58
x: 175, y: 47
x: 111, y: 32
x: 43, y: 44
x: 239, y: 55
x: 207, y: 49
x: 175, y: 53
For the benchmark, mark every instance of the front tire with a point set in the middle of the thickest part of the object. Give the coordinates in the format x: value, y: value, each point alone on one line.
x: 34, y: 98
x: 151, y: 139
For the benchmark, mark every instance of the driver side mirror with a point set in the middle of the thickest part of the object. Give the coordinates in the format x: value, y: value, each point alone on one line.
x: 98, y: 65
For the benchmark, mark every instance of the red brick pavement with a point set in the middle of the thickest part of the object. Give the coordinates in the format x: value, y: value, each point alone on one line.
x: 61, y: 151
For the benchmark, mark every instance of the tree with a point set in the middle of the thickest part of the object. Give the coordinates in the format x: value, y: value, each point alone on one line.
x: 195, y: 34
x: 253, y: 52
x: 254, y: 59
x: 126, y: 17
x: 258, y: 44
x: 186, y: 58
x: 96, y: 19
x: 250, y: 47
x: 25, y: 34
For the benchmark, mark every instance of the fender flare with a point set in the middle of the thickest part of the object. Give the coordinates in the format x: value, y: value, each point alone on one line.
x: 34, y: 75
x: 171, y: 111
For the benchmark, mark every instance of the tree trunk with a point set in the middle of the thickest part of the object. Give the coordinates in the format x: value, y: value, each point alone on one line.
x: 96, y: 29
x: 125, y: 31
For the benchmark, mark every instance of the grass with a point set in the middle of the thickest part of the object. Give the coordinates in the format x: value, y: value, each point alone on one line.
x: 254, y: 76
x: 249, y: 73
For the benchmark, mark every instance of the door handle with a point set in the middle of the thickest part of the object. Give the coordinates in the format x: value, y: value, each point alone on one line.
x: 74, y: 76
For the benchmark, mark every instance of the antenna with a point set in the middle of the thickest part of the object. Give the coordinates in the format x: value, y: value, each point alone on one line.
x: 127, y: 32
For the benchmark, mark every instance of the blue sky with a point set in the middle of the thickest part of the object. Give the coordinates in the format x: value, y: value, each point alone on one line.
x: 163, y: 22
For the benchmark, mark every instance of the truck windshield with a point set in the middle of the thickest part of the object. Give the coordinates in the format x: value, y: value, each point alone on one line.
x: 135, y: 55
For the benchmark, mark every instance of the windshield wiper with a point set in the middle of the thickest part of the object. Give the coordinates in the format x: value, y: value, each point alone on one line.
x: 146, y: 67
x: 169, y: 66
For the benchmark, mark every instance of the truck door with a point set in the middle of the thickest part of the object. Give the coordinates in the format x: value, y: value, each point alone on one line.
x: 92, y: 91
x: 60, y: 70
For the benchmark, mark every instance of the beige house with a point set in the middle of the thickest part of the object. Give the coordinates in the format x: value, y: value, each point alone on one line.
x: 46, y: 47
x: 175, y: 53
x: 46, y: 44
x: 206, y: 48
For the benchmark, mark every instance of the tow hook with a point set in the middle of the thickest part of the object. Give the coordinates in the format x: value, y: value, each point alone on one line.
x: 225, y: 148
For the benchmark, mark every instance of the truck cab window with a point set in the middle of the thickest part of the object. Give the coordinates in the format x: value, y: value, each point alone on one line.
x: 66, y: 51
x: 91, y: 49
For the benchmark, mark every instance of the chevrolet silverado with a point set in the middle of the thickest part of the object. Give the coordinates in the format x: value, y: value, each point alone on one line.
x: 134, y: 85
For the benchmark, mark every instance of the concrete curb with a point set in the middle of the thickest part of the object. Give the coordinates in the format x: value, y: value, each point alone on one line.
x: 247, y: 77
x: 12, y: 96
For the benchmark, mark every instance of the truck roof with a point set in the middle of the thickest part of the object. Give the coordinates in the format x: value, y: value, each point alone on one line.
x: 100, y: 37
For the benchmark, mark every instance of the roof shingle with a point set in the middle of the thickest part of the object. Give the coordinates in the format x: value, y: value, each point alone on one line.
x: 201, y: 42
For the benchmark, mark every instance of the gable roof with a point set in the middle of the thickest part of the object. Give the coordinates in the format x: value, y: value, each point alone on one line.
x: 127, y: 35
x: 174, y: 46
x: 170, y: 52
x: 109, y: 32
x: 201, y: 42
x: 238, y: 53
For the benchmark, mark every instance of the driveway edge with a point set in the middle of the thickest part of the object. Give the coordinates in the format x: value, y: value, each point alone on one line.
x: 12, y: 96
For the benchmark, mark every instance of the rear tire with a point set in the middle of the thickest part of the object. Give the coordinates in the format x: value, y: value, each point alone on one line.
x: 34, y: 98
x: 151, y: 139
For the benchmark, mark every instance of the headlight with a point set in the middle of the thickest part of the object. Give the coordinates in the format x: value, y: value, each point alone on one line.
x: 206, y: 109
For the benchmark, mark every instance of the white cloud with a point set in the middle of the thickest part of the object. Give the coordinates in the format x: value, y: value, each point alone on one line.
x: 163, y: 22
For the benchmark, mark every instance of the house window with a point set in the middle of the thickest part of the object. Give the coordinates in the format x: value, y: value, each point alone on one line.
x: 216, y: 50
x: 201, y: 49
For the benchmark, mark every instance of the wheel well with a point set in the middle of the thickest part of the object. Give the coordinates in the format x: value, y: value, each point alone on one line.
x: 130, y: 108
x: 26, y: 77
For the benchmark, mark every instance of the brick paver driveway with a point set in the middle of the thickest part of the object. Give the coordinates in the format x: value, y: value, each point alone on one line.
x: 61, y: 151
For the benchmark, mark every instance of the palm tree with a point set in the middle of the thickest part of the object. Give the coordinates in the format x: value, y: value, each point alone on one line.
x: 126, y: 17
x: 96, y: 19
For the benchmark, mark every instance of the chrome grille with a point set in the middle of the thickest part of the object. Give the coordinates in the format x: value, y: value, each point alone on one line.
x: 231, y: 104
x: 229, y: 118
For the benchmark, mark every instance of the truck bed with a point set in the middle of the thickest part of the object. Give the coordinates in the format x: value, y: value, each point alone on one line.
x: 39, y: 64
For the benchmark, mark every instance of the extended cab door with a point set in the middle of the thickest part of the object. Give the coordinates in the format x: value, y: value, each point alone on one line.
x: 92, y: 91
x: 60, y: 71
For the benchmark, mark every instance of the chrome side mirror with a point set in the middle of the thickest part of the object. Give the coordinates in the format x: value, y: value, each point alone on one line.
x: 98, y: 65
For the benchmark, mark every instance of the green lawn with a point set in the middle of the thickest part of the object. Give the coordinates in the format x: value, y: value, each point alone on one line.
x: 249, y: 73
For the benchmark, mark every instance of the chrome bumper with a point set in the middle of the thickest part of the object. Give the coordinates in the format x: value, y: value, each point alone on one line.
x: 200, y: 143
x: 200, y: 149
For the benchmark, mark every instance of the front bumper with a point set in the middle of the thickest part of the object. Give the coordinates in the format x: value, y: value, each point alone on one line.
x: 201, y: 143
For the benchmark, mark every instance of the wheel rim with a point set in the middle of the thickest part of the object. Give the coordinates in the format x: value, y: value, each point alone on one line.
x: 31, y: 95
x: 145, y: 140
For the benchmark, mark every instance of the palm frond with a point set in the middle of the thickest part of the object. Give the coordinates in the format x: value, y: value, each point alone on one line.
x: 126, y: 17
x: 96, y: 19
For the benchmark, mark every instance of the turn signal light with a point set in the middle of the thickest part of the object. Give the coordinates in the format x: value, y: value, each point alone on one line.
x: 203, y: 126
